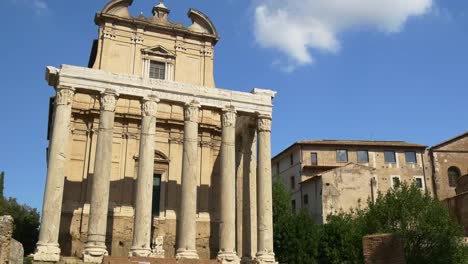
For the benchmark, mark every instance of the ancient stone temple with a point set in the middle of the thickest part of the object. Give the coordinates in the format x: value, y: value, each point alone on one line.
x: 147, y: 157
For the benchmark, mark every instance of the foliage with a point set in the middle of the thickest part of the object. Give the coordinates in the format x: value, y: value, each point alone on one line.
x: 423, y: 222
x: 295, y: 236
x: 2, y: 184
x: 26, y: 222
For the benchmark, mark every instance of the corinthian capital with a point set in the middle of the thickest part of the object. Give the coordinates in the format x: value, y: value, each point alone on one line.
x: 64, y: 96
x: 229, y: 117
x: 150, y: 106
x: 191, y: 111
x: 264, y: 123
x: 108, y: 100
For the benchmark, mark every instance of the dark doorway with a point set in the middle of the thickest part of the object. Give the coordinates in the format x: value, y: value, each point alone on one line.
x: 156, y: 194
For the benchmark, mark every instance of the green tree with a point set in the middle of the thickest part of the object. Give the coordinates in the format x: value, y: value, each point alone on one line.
x: 2, y: 179
x: 295, y: 236
x: 26, y: 221
x: 429, y: 234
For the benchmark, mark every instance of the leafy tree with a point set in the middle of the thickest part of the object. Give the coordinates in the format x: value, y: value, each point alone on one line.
x: 295, y: 236
x: 26, y: 221
x: 2, y: 179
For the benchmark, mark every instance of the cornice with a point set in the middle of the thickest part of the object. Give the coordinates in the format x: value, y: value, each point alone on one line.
x: 259, y: 101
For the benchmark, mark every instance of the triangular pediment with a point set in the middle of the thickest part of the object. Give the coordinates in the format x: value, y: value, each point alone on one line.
x: 458, y: 143
x: 158, y: 51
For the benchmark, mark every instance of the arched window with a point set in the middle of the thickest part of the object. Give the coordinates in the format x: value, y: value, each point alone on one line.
x: 453, y: 175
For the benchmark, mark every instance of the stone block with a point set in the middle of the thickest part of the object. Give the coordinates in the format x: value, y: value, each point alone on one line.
x: 383, y: 249
x: 16, y: 252
x: 6, y: 233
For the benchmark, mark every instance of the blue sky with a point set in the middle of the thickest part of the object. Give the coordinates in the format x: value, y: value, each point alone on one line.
x: 393, y: 71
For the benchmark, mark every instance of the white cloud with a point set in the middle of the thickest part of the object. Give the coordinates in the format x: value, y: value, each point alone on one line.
x: 40, y: 7
x: 295, y: 27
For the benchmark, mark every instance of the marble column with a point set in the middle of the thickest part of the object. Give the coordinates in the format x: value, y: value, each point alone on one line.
x: 48, y: 249
x: 141, y: 245
x: 264, y: 191
x: 227, y: 240
x: 95, y: 247
x: 186, y: 219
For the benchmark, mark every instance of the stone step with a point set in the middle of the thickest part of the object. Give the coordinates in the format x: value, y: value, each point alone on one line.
x: 140, y: 260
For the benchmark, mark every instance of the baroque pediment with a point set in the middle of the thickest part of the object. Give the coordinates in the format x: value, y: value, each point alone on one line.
x: 158, y: 51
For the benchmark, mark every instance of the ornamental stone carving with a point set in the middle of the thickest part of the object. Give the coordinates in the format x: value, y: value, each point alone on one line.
x: 150, y: 106
x: 229, y: 117
x: 264, y: 123
x: 64, y: 96
x: 108, y: 100
x: 191, y: 111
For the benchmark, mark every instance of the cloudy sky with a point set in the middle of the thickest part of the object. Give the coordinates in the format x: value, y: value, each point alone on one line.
x: 343, y: 69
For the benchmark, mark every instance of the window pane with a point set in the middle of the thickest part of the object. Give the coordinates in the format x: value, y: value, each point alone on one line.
x: 293, y: 183
x: 395, y: 182
x: 306, y: 199
x: 363, y: 156
x: 157, y: 70
x: 293, y: 206
x: 410, y: 157
x: 418, y: 182
x: 453, y: 175
x: 342, y: 156
x: 390, y: 156
x: 313, y: 156
x: 156, y: 194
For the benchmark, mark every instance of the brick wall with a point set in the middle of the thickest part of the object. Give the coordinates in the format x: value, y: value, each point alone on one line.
x: 383, y: 249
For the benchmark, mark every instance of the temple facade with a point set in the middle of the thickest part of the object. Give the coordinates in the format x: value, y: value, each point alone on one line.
x: 147, y: 157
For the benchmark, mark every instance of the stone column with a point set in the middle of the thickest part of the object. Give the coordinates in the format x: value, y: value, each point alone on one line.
x: 48, y: 248
x: 95, y: 247
x: 264, y: 184
x: 227, y: 240
x: 141, y: 245
x: 186, y: 219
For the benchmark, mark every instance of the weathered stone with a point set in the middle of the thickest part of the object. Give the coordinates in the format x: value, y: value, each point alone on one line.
x: 6, y: 233
x: 383, y: 249
x: 16, y: 252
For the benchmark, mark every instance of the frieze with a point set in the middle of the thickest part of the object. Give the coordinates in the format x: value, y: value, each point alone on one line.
x: 109, y: 33
x: 64, y: 96
x: 257, y: 101
x: 137, y: 38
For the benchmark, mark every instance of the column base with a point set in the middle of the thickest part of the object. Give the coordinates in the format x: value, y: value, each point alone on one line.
x: 47, y: 252
x: 265, y: 258
x: 140, y: 252
x: 228, y: 258
x: 94, y: 254
x: 186, y: 254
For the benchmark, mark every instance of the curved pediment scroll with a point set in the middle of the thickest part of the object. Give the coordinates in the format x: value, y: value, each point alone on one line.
x: 118, y: 8
x: 159, y: 157
x: 201, y: 23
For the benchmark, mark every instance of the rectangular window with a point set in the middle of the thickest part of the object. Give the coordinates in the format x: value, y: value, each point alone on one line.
x: 293, y: 206
x: 341, y: 155
x: 156, y: 194
x: 389, y: 156
x: 313, y: 158
x: 396, y: 182
x: 419, y: 182
x: 157, y: 70
x: 306, y: 199
x: 291, y: 159
x: 362, y: 156
x: 410, y: 157
x: 277, y: 168
x: 293, y: 182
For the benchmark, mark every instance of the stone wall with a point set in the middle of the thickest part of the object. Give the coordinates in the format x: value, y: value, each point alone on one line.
x: 383, y: 249
x: 11, y: 251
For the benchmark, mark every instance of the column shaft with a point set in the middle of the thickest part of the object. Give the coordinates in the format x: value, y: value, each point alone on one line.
x: 141, y: 245
x: 187, y: 233
x: 48, y: 248
x: 95, y: 247
x: 227, y: 243
x: 265, y: 207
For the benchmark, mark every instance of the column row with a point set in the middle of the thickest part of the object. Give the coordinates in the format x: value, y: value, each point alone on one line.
x: 95, y: 248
